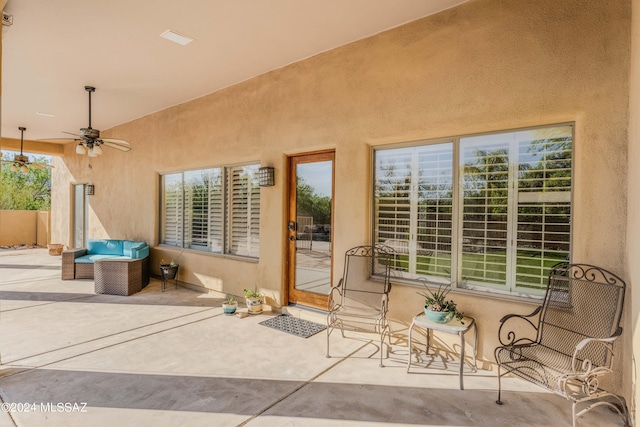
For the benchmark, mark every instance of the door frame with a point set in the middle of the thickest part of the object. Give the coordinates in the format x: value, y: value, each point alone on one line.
x: 293, y: 296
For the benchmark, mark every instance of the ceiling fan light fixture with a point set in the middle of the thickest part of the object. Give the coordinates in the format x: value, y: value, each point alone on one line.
x: 80, y: 149
x: 14, y: 168
x: 24, y: 169
x: 91, y: 153
x: 97, y: 150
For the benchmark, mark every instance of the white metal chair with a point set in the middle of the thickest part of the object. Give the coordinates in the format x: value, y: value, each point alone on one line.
x: 570, y: 344
x: 360, y: 300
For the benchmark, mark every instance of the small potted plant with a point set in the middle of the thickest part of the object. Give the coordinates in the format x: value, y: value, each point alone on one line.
x: 437, y: 307
x: 230, y: 305
x: 254, y: 301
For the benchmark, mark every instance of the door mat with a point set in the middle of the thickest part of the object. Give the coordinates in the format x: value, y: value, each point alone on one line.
x: 293, y: 325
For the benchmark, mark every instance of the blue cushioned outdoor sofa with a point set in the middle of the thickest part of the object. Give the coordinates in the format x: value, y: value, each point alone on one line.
x: 109, y: 261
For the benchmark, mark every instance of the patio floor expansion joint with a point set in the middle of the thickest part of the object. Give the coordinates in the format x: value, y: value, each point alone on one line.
x: 303, y: 385
x: 3, y: 363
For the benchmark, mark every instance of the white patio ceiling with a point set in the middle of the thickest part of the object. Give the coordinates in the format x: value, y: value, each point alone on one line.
x: 55, y: 48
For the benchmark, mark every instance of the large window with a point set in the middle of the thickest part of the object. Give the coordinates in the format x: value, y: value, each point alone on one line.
x: 214, y: 210
x: 482, y: 212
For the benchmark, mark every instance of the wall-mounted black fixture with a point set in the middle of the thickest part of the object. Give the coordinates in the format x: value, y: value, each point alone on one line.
x: 266, y: 176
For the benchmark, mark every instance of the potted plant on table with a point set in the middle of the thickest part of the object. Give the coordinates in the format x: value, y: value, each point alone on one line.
x: 230, y: 305
x: 254, y: 301
x: 437, y: 307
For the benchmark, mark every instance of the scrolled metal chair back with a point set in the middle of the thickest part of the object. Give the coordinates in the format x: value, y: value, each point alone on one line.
x: 366, y: 275
x: 582, y: 301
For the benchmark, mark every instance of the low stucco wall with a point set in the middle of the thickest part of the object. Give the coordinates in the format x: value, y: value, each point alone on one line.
x: 483, y: 66
x: 24, y: 227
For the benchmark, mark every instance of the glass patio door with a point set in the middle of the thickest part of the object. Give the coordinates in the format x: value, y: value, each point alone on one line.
x: 309, y: 228
x: 80, y: 208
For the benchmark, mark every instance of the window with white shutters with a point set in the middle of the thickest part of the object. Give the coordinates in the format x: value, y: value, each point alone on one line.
x: 487, y: 212
x: 214, y: 210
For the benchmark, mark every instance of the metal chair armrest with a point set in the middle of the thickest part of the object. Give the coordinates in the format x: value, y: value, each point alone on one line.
x: 332, y: 300
x: 509, y: 316
x: 511, y: 338
x: 585, y: 367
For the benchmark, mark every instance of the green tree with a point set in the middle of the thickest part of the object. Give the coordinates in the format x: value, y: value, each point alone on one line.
x: 25, y: 190
x: 310, y: 203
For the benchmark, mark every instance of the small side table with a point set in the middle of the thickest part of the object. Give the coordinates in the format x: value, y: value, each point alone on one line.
x: 455, y: 326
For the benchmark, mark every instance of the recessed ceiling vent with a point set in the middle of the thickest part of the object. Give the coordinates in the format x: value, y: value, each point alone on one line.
x: 176, y: 37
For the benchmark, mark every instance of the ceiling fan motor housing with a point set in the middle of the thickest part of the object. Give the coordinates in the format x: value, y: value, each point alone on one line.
x: 90, y: 133
x: 21, y: 159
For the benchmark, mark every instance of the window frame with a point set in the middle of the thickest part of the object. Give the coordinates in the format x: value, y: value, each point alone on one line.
x: 226, y: 196
x: 509, y: 290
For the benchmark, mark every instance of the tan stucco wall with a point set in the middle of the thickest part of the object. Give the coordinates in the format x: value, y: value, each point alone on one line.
x: 633, y: 227
x: 485, y: 65
x: 24, y: 227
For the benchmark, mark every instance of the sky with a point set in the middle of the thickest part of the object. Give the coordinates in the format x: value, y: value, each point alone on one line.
x: 318, y: 175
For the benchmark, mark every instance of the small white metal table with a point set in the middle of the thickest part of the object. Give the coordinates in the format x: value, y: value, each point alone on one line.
x: 455, y: 326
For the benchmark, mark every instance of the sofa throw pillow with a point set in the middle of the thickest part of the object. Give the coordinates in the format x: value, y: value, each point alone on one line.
x: 104, y: 247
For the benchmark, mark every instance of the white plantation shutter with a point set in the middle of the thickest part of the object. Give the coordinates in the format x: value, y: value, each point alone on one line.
x: 196, y: 191
x: 216, y: 211
x: 435, y: 207
x: 413, y: 208
x: 393, y: 204
x: 544, y: 205
x: 172, y: 211
x: 485, y: 182
x: 244, y: 211
x: 254, y: 215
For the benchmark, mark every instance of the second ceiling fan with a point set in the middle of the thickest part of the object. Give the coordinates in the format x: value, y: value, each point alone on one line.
x: 90, y: 140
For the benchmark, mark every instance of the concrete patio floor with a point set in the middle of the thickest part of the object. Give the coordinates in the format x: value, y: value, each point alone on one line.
x: 174, y: 359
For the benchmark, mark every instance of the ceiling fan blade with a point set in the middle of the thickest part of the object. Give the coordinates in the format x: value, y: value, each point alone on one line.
x: 40, y: 165
x: 116, y: 146
x: 59, y: 139
x: 114, y: 140
x: 74, y: 134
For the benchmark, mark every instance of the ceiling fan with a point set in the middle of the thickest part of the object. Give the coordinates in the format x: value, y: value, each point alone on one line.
x: 90, y: 141
x: 20, y: 161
